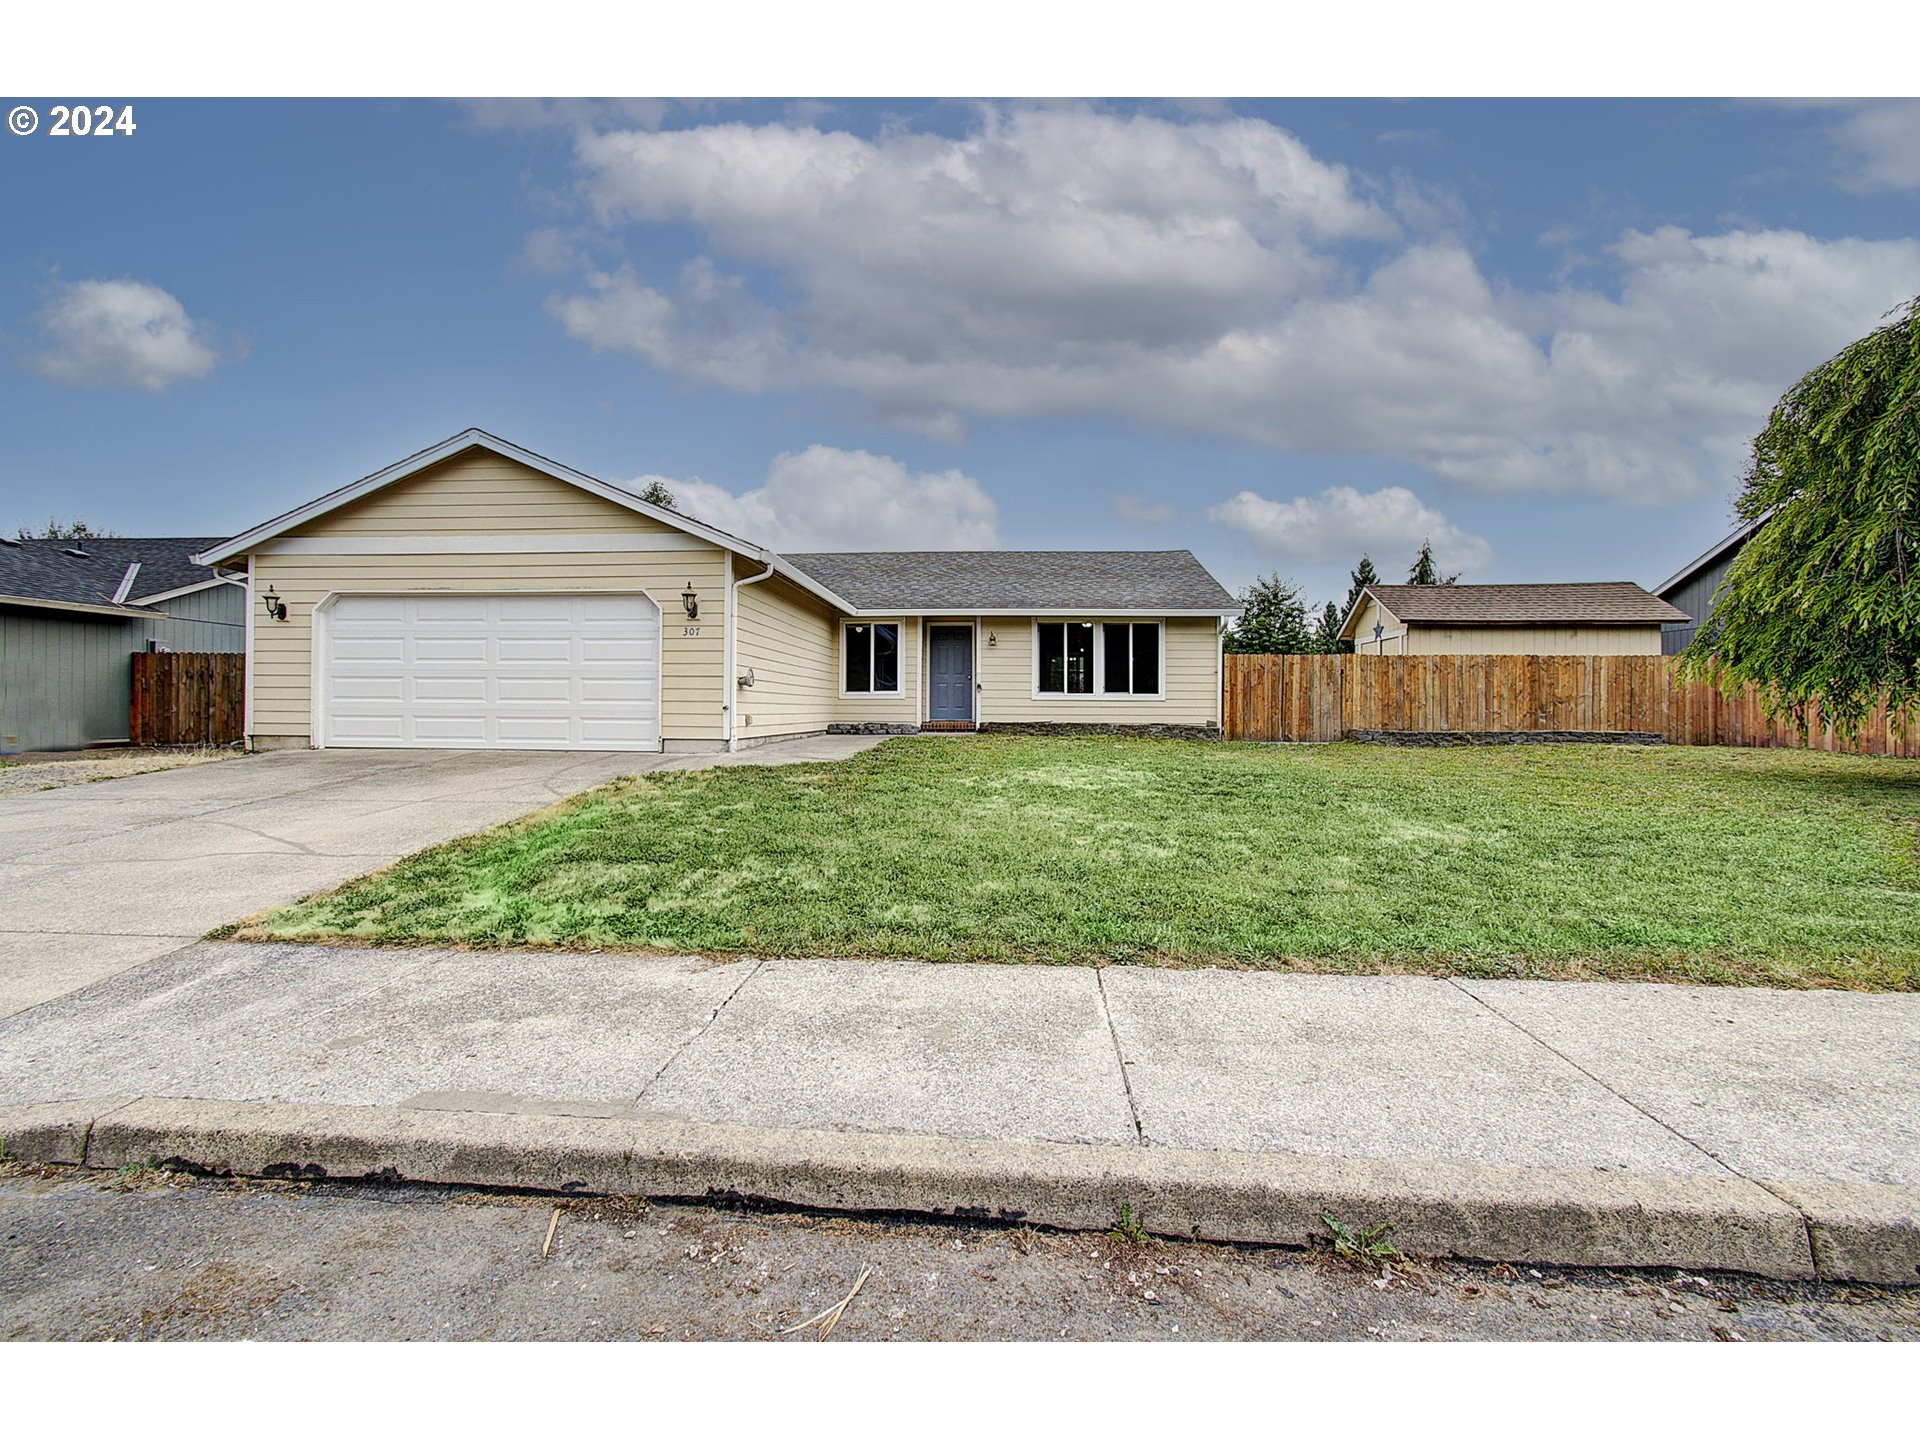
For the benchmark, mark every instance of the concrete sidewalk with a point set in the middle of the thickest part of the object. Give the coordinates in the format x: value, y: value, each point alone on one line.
x: 1785, y: 1109
x: 95, y: 879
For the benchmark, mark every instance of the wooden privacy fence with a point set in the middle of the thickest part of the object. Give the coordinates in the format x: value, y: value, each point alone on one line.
x: 186, y: 698
x: 1324, y: 697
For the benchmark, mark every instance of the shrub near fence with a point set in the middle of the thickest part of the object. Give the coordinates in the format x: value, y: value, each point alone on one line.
x: 186, y: 698
x: 1325, y: 697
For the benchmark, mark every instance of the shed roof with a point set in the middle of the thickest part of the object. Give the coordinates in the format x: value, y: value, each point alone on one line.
x: 1597, y: 602
x: 982, y: 581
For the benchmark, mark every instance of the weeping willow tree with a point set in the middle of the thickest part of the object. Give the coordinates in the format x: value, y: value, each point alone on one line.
x: 1822, y: 605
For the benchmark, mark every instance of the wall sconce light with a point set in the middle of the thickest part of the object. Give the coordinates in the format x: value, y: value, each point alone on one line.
x: 992, y: 639
x: 690, y: 598
x: 276, y: 607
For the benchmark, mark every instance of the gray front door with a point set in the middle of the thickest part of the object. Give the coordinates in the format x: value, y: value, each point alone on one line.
x: 950, y: 672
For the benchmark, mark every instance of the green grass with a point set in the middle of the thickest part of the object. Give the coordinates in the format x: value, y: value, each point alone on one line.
x: 1720, y: 866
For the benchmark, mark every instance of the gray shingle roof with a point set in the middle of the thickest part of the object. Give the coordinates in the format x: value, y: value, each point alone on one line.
x: 1599, y: 602
x: 909, y: 580
x: 43, y: 570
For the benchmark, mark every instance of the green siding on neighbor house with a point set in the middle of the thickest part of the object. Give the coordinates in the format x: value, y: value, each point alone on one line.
x: 65, y: 678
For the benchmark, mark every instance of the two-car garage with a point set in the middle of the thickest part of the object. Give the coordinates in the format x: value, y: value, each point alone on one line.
x: 508, y: 671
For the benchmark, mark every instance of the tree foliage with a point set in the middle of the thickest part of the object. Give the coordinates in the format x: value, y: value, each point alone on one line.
x: 66, y: 530
x: 1424, y: 571
x: 657, y: 493
x: 1361, y: 575
x: 1822, y: 604
x: 1273, y: 620
x: 1326, y: 631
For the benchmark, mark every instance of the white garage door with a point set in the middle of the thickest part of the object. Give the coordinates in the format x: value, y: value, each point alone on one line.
x: 472, y: 672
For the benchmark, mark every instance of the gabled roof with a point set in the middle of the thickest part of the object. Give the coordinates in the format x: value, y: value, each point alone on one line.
x: 1713, y: 557
x: 972, y: 582
x: 964, y: 582
x: 480, y: 439
x: 104, y: 576
x: 1598, y: 602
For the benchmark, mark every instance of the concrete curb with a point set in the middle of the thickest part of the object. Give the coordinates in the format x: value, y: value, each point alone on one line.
x: 1855, y: 1232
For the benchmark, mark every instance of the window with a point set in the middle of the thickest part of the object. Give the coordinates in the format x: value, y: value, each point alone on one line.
x: 1082, y: 657
x: 1066, y: 657
x: 1132, y: 659
x: 871, y: 656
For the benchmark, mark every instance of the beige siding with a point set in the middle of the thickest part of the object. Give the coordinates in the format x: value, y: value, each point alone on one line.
x: 1192, y: 669
x: 482, y: 493
x: 1373, y: 613
x: 905, y: 708
x: 1524, y: 640
x: 788, y: 639
x: 478, y: 491
x: 1400, y: 639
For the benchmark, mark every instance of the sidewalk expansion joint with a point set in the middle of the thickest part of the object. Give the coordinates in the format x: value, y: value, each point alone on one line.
x: 86, y: 1138
x: 1119, y: 1055
x: 700, y: 1034
x: 1626, y: 1100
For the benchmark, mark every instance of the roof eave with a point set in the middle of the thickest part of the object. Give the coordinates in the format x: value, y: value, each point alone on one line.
x: 997, y: 612
x: 80, y: 607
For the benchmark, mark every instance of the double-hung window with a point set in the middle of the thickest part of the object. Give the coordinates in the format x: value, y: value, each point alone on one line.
x: 1086, y: 657
x: 870, y: 659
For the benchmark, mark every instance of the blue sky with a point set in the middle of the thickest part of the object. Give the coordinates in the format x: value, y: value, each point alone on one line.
x: 1275, y: 333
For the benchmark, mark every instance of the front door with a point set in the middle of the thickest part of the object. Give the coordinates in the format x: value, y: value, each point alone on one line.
x: 950, y: 672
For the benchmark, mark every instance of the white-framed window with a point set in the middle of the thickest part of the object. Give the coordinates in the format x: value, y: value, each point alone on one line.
x: 870, y: 658
x: 1111, y: 658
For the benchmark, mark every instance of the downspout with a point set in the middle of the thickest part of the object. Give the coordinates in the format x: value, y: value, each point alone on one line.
x: 732, y: 646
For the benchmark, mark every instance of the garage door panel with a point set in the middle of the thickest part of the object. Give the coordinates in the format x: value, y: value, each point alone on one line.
x: 458, y: 689
x: 459, y: 648
x: 518, y: 671
x: 538, y: 609
x: 367, y: 729
x: 349, y: 648
x: 529, y: 650
x: 511, y: 689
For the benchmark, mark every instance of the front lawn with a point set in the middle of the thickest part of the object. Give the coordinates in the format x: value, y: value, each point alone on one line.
x: 1727, y: 866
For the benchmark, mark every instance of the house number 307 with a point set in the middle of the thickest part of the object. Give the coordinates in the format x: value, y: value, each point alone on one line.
x: 689, y: 629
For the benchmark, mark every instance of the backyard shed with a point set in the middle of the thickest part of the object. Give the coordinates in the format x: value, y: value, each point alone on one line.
x: 1608, y: 617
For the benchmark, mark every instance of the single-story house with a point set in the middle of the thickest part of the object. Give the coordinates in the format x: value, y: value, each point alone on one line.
x: 1607, y: 617
x: 1691, y: 588
x: 73, y: 612
x: 478, y: 595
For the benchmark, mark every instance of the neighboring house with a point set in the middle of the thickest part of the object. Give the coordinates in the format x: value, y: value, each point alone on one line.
x: 73, y: 612
x: 477, y: 595
x: 1692, y: 588
x: 1611, y: 617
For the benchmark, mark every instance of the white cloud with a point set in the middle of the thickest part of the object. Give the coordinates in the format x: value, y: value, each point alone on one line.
x: 121, y: 333
x: 1141, y: 511
x: 1342, y: 522
x: 1211, y: 276
x: 829, y: 499
x: 1878, y: 143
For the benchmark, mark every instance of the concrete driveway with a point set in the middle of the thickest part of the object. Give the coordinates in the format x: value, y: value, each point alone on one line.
x: 97, y: 878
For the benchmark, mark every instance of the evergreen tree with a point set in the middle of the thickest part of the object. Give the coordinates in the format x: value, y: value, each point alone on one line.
x: 1425, y: 571
x: 1326, y: 634
x: 1362, y: 574
x: 1273, y: 620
